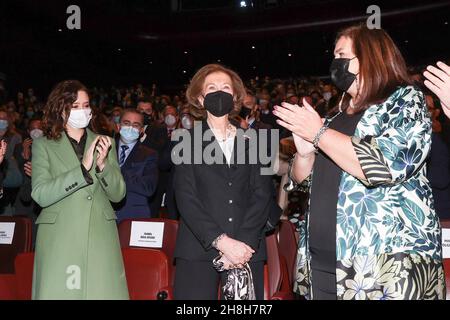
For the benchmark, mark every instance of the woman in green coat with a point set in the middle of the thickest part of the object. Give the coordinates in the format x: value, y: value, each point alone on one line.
x: 75, y: 175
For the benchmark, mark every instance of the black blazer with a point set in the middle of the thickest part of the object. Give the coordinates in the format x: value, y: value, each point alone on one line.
x: 216, y: 198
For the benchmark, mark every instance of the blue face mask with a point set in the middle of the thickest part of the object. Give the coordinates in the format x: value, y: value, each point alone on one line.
x: 129, y: 134
x: 117, y: 119
x: 30, y: 114
x: 3, y: 124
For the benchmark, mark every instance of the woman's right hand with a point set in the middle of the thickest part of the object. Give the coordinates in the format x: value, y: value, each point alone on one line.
x: 28, y: 168
x: 304, y: 148
x: 3, y: 147
x: 236, y: 251
x: 26, y: 146
x: 88, y: 158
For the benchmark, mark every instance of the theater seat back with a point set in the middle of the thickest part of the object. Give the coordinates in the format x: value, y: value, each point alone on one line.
x: 169, y: 238
x: 147, y: 273
x: 272, y: 281
x: 24, y: 275
x: 21, y: 242
x: 288, y: 247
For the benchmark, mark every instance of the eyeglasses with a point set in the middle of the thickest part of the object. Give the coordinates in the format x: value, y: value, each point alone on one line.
x: 129, y: 124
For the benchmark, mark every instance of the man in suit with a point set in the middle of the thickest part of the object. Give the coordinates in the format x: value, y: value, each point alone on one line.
x: 154, y: 134
x: 250, y: 114
x: 155, y: 137
x: 139, y: 166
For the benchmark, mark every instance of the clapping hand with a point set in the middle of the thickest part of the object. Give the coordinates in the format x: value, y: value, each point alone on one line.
x: 294, y: 118
x: 438, y: 81
x: 27, y: 168
x: 302, y: 121
x: 26, y: 145
x: 88, y: 158
x: 104, y: 143
x: 3, y: 147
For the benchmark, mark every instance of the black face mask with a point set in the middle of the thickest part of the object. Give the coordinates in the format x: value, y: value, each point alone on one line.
x: 147, y: 119
x: 340, y: 75
x: 245, y: 112
x: 219, y: 103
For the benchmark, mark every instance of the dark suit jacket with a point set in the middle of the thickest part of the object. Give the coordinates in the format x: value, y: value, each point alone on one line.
x: 214, y: 198
x: 439, y: 175
x: 261, y: 125
x: 156, y: 137
x: 140, y: 173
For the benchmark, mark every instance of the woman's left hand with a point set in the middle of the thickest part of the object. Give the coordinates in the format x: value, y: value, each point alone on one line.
x: 103, y: 145
x: 438, y: 81
x: 302, y: 121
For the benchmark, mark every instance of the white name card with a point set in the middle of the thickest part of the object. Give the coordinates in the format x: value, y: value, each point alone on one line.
x: 7, y: 232
x: 147, y: 234
x: 446, y: 243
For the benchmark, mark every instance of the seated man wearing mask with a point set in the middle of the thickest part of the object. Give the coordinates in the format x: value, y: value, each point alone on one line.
x: 155, y: 136
x: 22, y: 153
x: 249, y: 114
x: 138, y: 165
x: 13, y: 179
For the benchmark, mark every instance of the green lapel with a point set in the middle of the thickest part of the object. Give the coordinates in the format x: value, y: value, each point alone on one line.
x: 66, y: 154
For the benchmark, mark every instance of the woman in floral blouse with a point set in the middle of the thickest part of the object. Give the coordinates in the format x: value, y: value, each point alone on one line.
x: 371, y: 231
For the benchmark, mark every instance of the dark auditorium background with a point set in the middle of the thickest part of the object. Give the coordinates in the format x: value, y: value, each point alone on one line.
x: 133, y: 62
x: 124, y: 42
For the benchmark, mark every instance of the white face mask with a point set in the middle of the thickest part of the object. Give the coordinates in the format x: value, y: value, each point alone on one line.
x: 129, y: 134
x: 170, y: 120
x: 186, y: 122
x: 36, y: 133
x: 327, y: 96
x: 79, y: 118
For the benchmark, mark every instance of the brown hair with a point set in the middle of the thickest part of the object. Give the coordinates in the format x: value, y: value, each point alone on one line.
x: 132, y: 110
x: 381, y: 65
x: 196, y: 87
x: 60, y: 102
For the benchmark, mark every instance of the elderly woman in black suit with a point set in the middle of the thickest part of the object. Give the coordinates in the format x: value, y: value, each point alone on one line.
x: 224, y: 206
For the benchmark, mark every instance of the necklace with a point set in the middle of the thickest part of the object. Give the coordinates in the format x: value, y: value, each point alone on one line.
x: 229, y: 131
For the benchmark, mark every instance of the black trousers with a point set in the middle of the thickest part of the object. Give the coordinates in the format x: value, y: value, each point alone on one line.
x: 9, y: 197
x: 323, y: 285
x: 198, y: 280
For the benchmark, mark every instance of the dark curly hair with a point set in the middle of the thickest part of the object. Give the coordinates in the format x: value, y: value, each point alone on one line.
x: 59, y: 104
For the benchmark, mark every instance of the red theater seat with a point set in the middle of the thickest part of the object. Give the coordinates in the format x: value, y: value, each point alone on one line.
x: 288, y: 247
x: 24, y: 275
x: 147, y: 272
x: 8, y: 287
x: 169, y: 238
x: 275, y: 272
x: 21, y: 242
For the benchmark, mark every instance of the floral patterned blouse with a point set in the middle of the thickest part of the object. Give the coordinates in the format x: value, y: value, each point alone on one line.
x: 388, y: 237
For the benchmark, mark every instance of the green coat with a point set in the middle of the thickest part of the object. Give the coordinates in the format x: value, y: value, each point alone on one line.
x: 78, y: 252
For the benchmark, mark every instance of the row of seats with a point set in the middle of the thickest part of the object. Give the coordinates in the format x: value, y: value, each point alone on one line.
x: 150, y: 272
